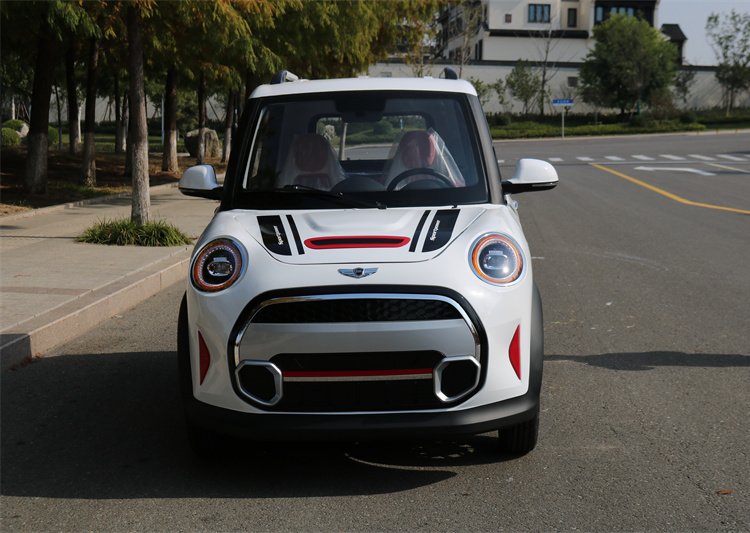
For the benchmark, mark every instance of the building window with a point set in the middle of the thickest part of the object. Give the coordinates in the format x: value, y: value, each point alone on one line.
x: 572, y: 81
x: 572, y: 18
x: 539, y: 12
x: 508, y: 18
x: 602, y: 12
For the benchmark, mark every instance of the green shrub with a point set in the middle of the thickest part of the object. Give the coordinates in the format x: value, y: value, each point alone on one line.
x: 383, y: 128
x: 10, y: 137
x: 52, y: 136
x: 640, y: 121
x: 14, y: 124
x: 123, y: 232
x: 688, y: 117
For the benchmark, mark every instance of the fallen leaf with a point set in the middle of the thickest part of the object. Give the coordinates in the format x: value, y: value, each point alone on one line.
x: 724, y: 492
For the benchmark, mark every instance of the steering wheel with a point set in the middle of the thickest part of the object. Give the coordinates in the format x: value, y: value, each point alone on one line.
x: 434, y: 174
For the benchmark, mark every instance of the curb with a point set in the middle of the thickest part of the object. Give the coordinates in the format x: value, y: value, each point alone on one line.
x: 80, y: 203
x: 23, y: 342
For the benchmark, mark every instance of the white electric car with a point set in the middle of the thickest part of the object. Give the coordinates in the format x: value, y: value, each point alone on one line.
x: 365, y: 275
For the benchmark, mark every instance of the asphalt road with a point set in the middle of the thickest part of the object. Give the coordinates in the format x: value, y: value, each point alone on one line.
x: 645, y: 402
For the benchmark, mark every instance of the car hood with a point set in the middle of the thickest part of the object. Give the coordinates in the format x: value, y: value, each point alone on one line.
x: 357, y: 235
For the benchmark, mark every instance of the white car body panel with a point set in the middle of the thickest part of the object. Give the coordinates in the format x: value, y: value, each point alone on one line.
x: 502, y: 308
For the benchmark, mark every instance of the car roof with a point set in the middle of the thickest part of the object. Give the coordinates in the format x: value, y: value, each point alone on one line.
x: 364, y: 84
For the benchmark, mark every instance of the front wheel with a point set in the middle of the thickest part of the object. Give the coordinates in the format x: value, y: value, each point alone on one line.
x: 521, y: 438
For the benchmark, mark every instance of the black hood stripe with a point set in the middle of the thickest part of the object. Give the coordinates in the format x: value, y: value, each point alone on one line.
x: 441, y: 229
x: 414, y: 239
x: 295, y: 234
x: 274, y: 235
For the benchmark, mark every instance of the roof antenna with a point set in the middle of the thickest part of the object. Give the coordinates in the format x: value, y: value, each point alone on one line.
x: 449, y: 74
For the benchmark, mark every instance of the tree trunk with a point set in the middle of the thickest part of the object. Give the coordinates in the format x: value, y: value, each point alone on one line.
x: 139, y: 131
x: 228, y: 119
x: 118, y: 117
x: 59, y: 118
x: 169, y: 150
x: 128, y: 144
x: 36, y: 159
x: 201, y: 118
x: 88, y: 167
x: 74, y: 131
x: 124, y: 125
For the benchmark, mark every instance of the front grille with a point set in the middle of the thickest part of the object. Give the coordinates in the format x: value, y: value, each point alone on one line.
x: 355, y: 310
x: 396, y: 391
x: 322, y: 371
x: 348, y: 396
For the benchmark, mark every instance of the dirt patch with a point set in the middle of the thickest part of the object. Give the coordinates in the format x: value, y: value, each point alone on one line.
x: 63, y: 175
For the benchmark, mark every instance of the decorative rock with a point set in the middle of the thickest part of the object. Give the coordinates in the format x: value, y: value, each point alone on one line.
x: 211, y: 140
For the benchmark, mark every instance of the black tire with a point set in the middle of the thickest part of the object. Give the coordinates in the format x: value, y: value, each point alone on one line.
x: 521, y: 438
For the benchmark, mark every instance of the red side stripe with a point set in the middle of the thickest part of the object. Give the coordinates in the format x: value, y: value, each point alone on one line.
x: 204, y: 357
x: 514, y: 352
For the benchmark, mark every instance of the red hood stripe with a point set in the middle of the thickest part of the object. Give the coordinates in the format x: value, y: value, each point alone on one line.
x: 356, y: 241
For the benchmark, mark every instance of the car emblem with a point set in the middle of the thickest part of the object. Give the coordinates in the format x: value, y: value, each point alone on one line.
x: 358, y: 272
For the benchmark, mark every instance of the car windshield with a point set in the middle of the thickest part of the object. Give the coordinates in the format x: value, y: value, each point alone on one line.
x: 363, y: 149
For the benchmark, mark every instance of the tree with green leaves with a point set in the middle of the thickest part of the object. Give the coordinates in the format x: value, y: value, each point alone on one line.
x: 630, y: 63
x: 499, y: 88
x: 730, y: 38
x: 523, y: 84
x: 683, y: 82
x: 44, y: 24
x: 484, y: 90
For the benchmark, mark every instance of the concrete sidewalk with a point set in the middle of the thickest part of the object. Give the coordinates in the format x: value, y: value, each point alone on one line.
x: 53, y: 288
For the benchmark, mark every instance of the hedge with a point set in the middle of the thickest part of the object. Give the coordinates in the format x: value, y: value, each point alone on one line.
x: 10, y: 137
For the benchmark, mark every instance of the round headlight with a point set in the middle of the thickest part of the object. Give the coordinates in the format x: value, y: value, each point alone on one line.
x: 496, y: 259
x: 217, y: 266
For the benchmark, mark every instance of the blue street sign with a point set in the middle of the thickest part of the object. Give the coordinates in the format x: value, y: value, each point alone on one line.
x: 567, y: 102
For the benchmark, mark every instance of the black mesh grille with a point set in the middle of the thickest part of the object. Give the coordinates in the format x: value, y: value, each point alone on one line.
x: 310, y: 397
x: 355, y: 310
x: 388, y: 395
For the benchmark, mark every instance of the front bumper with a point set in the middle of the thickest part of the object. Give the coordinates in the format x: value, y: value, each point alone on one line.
x: 348, y: 427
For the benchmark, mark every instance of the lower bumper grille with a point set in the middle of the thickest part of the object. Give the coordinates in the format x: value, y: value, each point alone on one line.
x: 423, y: 353
x: 341, y: 382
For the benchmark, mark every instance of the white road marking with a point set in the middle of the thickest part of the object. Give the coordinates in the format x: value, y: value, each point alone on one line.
x: 643, y: 157
x: 613, y: 158
x: 556, y: 159
x: 672, y: 157
x: 731, y: 157
x: 501, y: 161
x: 702, y: 157
x: 585, y: 158
x: 674, y: 169
x: 729, y: 168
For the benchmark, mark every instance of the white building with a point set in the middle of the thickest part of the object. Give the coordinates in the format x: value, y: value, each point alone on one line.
x: 486, y: 38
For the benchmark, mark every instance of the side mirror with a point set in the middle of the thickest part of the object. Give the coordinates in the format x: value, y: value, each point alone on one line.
x: 531, y: 175
x: 200, y: 181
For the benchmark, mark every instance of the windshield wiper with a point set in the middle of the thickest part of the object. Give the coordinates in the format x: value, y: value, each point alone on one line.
x: 336, y: 197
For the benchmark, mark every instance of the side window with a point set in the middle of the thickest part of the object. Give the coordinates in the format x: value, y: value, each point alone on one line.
x: 261, y: 168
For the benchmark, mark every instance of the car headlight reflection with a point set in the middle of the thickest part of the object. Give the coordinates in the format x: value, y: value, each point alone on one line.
x: 217, y: 266
x: 496, y: 259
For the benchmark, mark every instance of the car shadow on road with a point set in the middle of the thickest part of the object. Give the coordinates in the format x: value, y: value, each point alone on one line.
x: 651, y: 360
x: 110, y: 426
